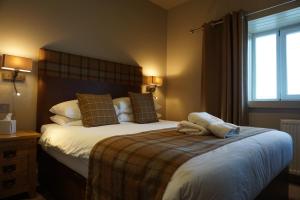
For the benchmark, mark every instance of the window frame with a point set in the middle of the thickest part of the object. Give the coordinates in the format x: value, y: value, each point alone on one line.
x: 284, y: 90
x: 281, y: 63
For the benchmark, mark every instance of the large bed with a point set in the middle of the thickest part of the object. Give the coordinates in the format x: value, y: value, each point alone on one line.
x: 238, y: 170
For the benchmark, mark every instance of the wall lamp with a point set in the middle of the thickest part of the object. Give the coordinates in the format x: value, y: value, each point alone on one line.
x: 152, y: 82
x: 15, y: 64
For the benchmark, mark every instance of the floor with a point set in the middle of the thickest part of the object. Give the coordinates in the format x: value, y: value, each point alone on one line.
x: 294, y: 194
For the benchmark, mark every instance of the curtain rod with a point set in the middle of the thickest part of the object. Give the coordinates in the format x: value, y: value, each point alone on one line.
x: 249, y: 14
x: 211, y: 23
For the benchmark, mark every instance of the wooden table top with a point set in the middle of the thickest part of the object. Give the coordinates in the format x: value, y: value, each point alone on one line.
x: 20, y: 135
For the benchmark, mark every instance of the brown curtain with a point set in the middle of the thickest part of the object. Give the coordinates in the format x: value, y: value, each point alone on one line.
x: 224, y: 68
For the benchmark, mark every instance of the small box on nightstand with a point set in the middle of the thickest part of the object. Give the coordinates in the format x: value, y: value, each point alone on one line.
x: 8, y: 126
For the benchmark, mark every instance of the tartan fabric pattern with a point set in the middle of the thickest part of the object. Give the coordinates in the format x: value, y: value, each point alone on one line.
x: 64, y: 65
x: 139, y: 166
x: 143, y: 107
x: 97, y: 110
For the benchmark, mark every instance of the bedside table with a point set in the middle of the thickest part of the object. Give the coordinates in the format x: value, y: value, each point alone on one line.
x: 18, y: 163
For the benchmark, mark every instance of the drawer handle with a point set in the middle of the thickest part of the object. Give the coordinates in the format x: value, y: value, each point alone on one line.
x: 9, y: 154
x: 9, y: 168
x: 7, y: 184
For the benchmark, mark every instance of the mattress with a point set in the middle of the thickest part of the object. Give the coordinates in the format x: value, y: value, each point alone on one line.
x: 238, y: 170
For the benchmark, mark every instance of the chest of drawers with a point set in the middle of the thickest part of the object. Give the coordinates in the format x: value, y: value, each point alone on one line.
x: 18, y: 163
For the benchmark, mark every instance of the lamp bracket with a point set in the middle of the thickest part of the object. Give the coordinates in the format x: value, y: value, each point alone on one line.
x: 9, y: 76
x: 151, y: 88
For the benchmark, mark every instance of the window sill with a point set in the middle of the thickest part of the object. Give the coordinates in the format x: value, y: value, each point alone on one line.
x: 275, y: 104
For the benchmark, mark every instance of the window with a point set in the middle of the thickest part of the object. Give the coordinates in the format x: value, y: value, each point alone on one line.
x: 274, y: 63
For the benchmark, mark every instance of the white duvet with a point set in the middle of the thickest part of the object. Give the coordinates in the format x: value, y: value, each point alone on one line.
x: 239, y: 170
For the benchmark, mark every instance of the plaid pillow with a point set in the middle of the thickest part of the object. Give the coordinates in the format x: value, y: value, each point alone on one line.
x: 97, y: 110
x: 143, y: 108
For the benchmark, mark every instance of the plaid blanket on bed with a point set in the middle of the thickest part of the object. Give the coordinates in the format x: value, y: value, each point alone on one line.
x: 139, y: 166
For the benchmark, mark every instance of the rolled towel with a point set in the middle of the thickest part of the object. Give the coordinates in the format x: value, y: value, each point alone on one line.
x: 191, y: 128
x: 203, y: 119
x: 224, y: 130
x: 213, y: 124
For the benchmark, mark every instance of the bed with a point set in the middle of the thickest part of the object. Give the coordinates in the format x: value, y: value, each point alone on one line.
x: 239, y: 170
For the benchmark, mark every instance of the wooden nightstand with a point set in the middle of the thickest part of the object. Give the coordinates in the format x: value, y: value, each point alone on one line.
x: 18, y: 163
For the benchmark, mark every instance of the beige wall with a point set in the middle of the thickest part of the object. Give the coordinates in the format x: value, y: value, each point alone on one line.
x: 131, y: 31
x: 184, y: 58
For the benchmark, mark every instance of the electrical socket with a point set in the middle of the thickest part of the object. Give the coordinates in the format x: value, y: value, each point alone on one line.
x: 4, y: 108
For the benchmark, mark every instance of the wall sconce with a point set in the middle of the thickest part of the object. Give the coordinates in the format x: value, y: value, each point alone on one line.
x: 16, y: 64
x: 152, y: 82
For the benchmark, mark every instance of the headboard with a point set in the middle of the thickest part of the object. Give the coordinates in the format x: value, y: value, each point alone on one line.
x: 62, y: 75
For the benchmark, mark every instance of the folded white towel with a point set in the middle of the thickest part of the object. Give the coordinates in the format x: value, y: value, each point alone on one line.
x: 213, y: 124
x: 203, y: 119
x: 191, y: 128
x: 224, y: 130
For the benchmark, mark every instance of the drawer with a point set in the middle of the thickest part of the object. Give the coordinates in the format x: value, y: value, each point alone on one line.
x: 13, y: 185
x: 13, y: 166
x: 15, y: 149
x: 19, y: 144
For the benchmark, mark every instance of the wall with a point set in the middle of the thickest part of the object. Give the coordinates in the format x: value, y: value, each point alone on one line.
x: 131, y: 32
x: 184, y: 56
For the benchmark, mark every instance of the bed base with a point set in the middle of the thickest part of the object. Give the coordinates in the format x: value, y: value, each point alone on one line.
x: 63, y: 183
x: 59, y: 181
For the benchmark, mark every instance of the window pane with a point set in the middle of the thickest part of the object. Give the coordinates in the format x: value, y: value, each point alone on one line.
x: 293, y: 63
x: 266, y: 67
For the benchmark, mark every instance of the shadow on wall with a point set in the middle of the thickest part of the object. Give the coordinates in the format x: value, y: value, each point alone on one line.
x: 109, y: 48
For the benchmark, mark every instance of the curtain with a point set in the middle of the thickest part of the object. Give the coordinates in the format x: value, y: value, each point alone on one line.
x: 224, y: 68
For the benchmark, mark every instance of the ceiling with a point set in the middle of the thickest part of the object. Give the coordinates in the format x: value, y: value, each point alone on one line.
x: 168, y: 4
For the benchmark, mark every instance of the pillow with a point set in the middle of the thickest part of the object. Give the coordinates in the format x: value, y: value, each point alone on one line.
x: 143, y: 108
x: 65, y: 121
x: 116, y: 110
x: 68, y: 109
x: 97, y: 110
x: 124, y: 117
x: 124, y: 105
x: 159, y: 115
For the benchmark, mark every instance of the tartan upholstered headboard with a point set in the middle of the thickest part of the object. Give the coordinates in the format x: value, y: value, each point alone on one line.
x: 62, y: 75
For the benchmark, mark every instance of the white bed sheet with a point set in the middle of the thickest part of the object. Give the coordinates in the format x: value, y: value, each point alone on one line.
x: 238, y: 170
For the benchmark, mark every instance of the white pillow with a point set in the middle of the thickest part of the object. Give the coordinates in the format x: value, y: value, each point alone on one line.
x: 65, y: 121
x: 158, y: 115
x: 117, y: 110
x: 124, y: 117
x: 124, y: 105
x: 157, y: 106
x: 68, y: 109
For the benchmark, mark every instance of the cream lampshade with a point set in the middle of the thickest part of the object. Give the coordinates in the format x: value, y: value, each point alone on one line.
x: 16, y: 63
x: 153, y: 80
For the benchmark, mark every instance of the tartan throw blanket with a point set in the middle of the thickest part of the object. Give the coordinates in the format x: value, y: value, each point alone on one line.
x: 139, y: 166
